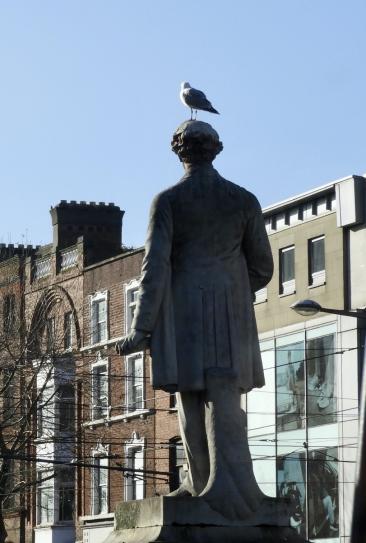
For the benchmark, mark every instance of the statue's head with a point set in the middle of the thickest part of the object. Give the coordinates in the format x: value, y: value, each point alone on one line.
x: 196, y: 142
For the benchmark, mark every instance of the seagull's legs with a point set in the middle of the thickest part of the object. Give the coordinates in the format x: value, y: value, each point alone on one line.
x: 196, y: 116
x: 191, y: 114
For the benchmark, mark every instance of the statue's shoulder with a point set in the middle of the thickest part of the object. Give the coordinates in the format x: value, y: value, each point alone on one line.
x: 247, y: 198
x: 163, y: 199
x: 168, y: 194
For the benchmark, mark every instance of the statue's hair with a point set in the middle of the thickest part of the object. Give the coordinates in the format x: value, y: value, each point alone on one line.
x: 195, y: 142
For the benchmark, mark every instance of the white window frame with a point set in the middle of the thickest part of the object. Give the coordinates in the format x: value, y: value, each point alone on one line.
x: 261, y: 296
x: 47, y: 402
x: 316, y: 278
x: 130, y: 383
x: 97, y: 298
x: 100, y: 455
x: 99, y: 363
x: 287, y: 287
x: 134, y: 487
x: 130, y: 303
x: 69, y: 328
x: 51, y: 334
x: 46, y: 485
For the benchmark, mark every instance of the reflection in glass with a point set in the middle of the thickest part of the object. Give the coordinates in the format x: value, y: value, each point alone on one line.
x: 321, y: 380
x: 323, y: 493
x: 291, y: 485
x: 290, y: 387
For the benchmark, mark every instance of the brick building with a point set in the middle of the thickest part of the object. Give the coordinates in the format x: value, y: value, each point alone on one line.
x: 100, y: 433
x: 14, y: 506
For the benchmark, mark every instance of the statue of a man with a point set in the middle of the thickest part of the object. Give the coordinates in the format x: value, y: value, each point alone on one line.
x: 207, y: 252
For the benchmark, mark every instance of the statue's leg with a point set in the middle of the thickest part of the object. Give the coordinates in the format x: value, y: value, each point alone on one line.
x: 191, y: 416
x: 231, y: 488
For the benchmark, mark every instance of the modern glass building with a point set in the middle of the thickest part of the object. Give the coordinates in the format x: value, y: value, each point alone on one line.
x: 303, y: 425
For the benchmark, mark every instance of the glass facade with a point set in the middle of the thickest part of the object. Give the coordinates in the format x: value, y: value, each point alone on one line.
x: 290, y: 386
x: 321, y: 402
x: 323, y: 493
x: 293, y: 428
x: 305, y: 362
x: 291, y: 484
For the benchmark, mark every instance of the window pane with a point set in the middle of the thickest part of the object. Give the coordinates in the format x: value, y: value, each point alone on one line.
x: 68, y: 329
x: 66, y: 407
x: 177, y: 460
x: 66, y: 493
x: 102, y: 331
x: 321, y: 381
x: 135, y: 389
x: 45, y: 495
x: 137, y: 476
x: 50, y: 334
x: 287, y: 265
x: 323, y: 494
x: 291, y: 477
x: 46, y: 411
x: 317, y: 257
x: 100, y: 391
x: 99, y: 320
x: 290, y: 386
x: 102, y: 309
x: 100, y: 486
x: 132, y: 296
x: 66, y: 504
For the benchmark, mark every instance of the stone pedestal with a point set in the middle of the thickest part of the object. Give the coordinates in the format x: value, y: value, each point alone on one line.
x: 191, y: 520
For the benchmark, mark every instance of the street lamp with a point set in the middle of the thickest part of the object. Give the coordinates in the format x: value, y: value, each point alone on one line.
x: 308, y: 308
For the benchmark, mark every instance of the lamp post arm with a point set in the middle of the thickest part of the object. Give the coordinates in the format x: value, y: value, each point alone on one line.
x: 344, y: 313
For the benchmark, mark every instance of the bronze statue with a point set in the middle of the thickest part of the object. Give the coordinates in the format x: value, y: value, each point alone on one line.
x: 207, y: 252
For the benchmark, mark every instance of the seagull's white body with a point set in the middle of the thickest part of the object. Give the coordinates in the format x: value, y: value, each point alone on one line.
x: 195, y: 99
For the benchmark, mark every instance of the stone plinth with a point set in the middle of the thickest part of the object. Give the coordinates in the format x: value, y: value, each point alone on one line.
x: 191, y: 520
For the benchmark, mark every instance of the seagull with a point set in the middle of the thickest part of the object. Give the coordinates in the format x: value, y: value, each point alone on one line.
x: 195, y: 99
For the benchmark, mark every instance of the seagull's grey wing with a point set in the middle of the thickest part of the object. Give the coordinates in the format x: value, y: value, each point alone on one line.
x: 196, y: 99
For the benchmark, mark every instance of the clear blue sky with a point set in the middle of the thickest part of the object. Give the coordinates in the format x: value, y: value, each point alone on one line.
x: 89, y: 99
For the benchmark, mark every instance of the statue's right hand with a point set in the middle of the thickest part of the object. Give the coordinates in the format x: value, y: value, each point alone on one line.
x: 137, y: 340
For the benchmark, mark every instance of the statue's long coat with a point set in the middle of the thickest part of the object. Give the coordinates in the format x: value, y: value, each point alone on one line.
x: 207, y: 252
